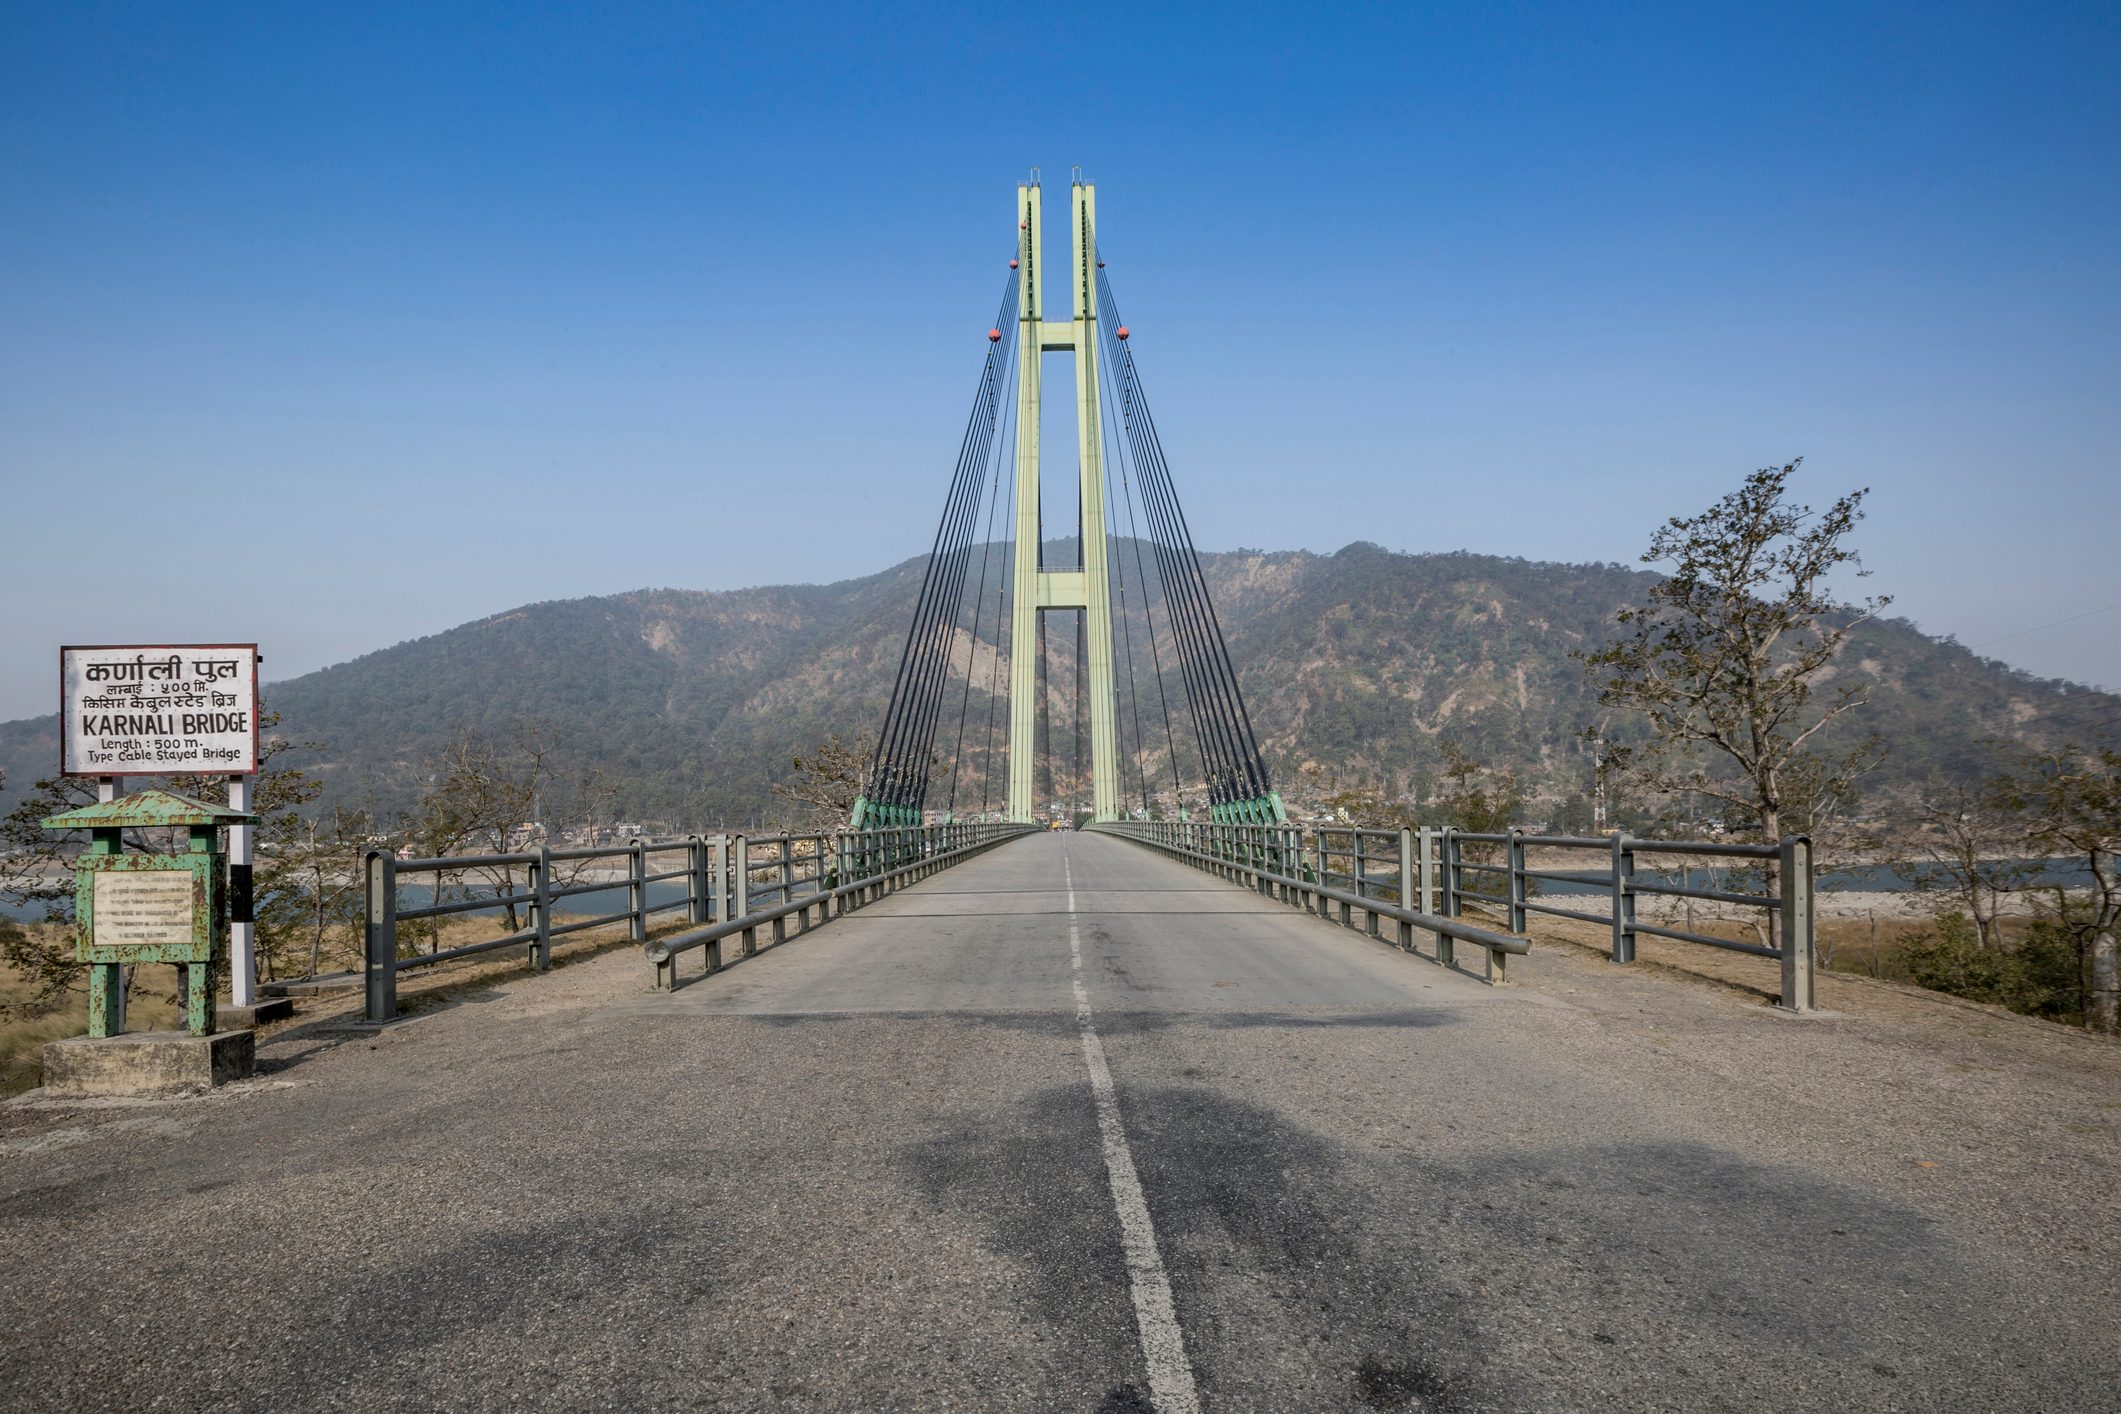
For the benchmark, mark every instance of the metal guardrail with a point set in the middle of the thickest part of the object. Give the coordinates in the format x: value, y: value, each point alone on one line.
x: 726, y: 877
x: 1422, y: 879
x: 524, y: 885
x: 1628, y: 872
x: 1436, y: 873
x: 1275, y: 860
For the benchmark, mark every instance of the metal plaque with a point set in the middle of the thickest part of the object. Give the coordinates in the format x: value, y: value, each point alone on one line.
x: 144, y: 908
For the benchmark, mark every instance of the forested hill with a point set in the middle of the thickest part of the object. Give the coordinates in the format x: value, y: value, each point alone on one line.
x: 691, y: 704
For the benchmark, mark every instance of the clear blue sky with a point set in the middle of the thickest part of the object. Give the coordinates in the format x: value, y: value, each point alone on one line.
x: 332, y: 326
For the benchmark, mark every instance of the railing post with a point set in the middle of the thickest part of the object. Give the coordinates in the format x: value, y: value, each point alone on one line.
x: 1453, y: 880
x: 718, y: 879
x: 1318, y: 901
x: 1516, y: 863
x: 787, y: 888
x: 1406, y: 887
x: 1797, y: 924
x: 1425, y: 841
x: 695, y: 881
x: 843, y: 852
x: 541, y: 909
x: 1623, y: 898
x: 820, y: 878
x: 1362, y: 882
x: 1341, y: 910
x: 740, y: 886
x: 380, y: 955
x: 637, y: 892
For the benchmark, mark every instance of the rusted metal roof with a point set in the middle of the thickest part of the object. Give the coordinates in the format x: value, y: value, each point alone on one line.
x: 146, y: 809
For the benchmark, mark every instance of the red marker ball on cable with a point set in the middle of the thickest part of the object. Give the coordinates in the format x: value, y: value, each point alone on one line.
x: 1121, y: 331
x: 994, y: 336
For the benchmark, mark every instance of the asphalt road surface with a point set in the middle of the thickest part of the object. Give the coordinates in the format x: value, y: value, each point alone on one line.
x: 1072, y: 1127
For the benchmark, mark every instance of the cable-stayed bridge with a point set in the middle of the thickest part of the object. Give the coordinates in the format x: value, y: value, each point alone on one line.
x: 1199, y: 1107
x: 1120, y: 466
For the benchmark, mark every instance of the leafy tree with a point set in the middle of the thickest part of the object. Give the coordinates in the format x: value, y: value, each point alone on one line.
x: 1728, y: 658
x: 2072, y: 803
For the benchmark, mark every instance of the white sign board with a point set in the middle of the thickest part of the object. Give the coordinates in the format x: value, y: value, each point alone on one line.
x: 154, y: 710
x: 143, y: 908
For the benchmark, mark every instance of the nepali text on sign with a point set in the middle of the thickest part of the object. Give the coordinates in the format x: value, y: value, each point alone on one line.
x: 159, y: 710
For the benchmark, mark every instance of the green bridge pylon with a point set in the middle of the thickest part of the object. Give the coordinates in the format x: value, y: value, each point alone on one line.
x: 1038, y: 588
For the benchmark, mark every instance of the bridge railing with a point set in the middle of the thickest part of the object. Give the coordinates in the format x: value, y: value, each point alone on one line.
x: 519, y: 891
x: 1417, y: 876
x: 1329, y: 872
x: 1348, y: 857
x: 778, y: 868
x: 852, y: 868
x: 645, y: 884
x: 1773, y: 888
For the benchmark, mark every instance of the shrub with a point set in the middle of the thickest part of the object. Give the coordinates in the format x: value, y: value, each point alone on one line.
x: 2037, y: 974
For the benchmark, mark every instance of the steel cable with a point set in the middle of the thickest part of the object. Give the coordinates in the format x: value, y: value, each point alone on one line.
x: 979, y: 600
x: 1247, y: 770
x: 893, y: 779
x: 1212, y: 719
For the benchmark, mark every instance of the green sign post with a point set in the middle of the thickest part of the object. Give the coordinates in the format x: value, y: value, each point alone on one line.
x: 135, y: 908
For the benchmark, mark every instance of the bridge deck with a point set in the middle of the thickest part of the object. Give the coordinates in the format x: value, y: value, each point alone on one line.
x: 868, y: 1171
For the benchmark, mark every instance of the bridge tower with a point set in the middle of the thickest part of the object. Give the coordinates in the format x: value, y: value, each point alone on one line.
x: 1202, y: 691
x: 1084, y: 587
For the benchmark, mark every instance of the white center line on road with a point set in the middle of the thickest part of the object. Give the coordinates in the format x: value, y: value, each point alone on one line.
x: 1163, y: 1345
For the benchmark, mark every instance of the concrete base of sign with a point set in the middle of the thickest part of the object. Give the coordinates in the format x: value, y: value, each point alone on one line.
x: 241, y: 1018
x: 329, y: 984
x: 146, y: 1063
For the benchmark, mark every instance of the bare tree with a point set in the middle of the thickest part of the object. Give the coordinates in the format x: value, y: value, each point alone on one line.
x: 1969, y: 846
x: 1483, y: 799
x: 1364, y: 804
x: 481, y: 798
x: 826, y: 783
x: 1728, y: 655
x: 309, y: 885
x: 1475, y: 795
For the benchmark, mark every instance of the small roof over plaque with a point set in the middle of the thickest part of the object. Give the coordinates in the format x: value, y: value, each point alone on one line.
x: 148, y: 809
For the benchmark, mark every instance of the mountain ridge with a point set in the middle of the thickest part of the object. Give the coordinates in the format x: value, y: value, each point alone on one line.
x: 690, y: 703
